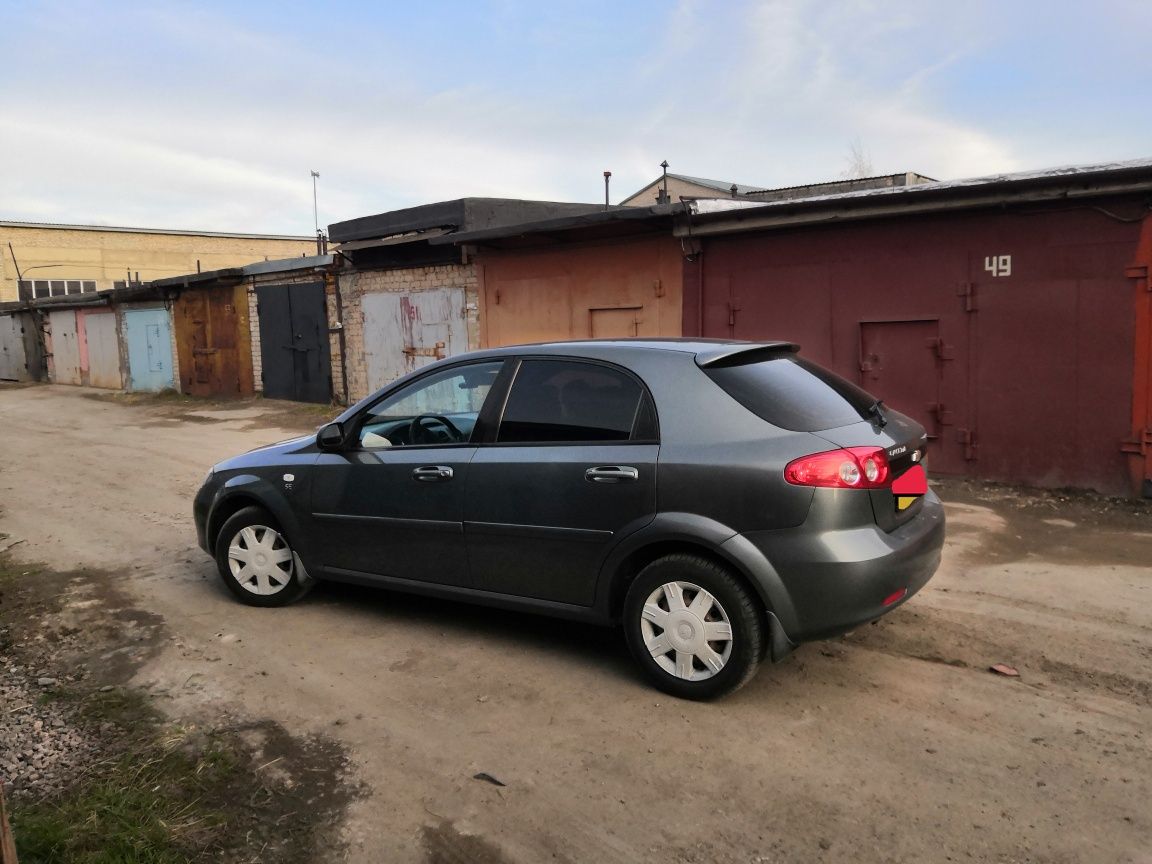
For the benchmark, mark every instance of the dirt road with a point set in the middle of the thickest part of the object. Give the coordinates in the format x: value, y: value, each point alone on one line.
x: 893, y: 744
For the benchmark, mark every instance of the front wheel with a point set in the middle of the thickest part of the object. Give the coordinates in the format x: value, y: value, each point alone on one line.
x: 256, y: 561
x: 693, y: 627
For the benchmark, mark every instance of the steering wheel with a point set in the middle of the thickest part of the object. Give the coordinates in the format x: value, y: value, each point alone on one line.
x: 418, y: 433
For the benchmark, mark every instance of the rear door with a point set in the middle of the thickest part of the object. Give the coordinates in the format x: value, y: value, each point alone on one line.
x: 573, y: 468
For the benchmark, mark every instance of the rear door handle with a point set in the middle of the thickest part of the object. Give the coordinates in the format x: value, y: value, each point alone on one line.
x: 432, y: 473
x: 611, y: 474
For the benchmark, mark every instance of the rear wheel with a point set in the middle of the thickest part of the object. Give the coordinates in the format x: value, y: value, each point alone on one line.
x: 693, y: 627
x: 256, y: 560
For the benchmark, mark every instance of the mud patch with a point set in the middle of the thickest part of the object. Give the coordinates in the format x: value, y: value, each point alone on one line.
x: 94, y: 767
x: 991, y: 523
x: 445, y: 844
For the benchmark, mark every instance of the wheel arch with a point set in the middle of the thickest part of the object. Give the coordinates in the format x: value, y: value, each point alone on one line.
x: 247, y: 490
x: 690, y: 534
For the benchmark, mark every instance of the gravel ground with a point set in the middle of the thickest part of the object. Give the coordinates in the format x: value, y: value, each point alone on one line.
x: 40, y: 750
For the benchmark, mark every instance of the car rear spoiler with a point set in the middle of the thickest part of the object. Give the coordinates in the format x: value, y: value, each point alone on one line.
x: 739, y: 353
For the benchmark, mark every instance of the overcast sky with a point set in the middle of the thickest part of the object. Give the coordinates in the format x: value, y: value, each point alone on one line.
x: 210, y: 115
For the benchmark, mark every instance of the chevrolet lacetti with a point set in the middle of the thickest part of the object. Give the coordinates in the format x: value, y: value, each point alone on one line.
x: 722, y: 501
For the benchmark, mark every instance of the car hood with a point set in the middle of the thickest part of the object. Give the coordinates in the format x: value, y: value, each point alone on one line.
x: 268, y: 453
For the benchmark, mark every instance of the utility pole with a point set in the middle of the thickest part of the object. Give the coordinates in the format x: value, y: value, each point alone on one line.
x: 321, y: 240
x: 607, y: 177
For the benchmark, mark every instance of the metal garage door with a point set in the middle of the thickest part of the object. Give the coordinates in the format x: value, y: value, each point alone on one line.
x: 403, y: 332
x: 12, y: 358
x: 65, y: 347
x: 294, y: 355
x: 149, y: 337
x: 103, y: 350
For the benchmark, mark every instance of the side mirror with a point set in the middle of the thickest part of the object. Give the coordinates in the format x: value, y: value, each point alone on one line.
x: 330, y: 437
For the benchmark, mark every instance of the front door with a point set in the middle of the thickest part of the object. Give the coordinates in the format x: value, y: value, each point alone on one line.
x: 391, y: 506
x: 573, y: 469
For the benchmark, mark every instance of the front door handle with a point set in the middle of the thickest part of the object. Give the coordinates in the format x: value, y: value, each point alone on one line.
x: 432, y: 473
x: 611, y: 474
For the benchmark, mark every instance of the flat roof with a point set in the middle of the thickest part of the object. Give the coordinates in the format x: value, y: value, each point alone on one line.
x: 461, y: 213
x: 62, y: 226
x: 596, y: 223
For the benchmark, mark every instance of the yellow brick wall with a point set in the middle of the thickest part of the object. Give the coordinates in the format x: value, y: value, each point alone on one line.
x: 107, y: 255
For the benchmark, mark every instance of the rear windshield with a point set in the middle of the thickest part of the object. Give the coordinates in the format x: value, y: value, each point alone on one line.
x: 794, y: 394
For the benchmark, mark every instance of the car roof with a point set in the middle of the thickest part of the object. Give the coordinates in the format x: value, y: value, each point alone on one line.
x: 706, y: 351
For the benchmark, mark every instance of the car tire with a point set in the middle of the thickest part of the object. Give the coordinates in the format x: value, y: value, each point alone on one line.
x: 256, y: 560
x: 672, y: 608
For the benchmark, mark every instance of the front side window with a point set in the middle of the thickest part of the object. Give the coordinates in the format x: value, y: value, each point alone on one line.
x: 566, y: 400
x: 439, y: 409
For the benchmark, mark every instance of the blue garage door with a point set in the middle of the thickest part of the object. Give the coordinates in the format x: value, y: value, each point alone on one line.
x: 149, y: 336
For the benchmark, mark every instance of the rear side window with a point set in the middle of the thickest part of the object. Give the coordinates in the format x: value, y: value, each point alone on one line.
x: 567, y: 400
x: 794, y: 394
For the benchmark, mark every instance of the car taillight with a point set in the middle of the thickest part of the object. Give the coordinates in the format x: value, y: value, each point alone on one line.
x: 848, y: 468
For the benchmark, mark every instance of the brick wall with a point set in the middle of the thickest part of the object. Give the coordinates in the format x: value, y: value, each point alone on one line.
x: 355, y: 284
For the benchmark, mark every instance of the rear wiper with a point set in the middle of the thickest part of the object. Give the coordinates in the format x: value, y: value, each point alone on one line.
x: 876, y: 412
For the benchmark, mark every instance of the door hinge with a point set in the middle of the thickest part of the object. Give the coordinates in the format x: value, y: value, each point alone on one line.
x: 1139, y: 443
x: 942, y: 349
x: 732, y: 310
x: 658, y: 288
x: 967, y: 439
x: 968, y: 291
x: 1140, y: 272
x: 943, y: 415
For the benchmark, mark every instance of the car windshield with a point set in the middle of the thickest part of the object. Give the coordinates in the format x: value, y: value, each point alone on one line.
x: 794, y: 394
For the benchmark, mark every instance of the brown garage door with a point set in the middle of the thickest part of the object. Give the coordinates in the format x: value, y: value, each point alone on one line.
x: 213, y: 342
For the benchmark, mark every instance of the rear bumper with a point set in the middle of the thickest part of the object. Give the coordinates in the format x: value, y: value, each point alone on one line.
x: 839, y: 579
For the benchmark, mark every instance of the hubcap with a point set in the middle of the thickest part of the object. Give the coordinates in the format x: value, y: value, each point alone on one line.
x: 686, y: 631
x: 260, y: 560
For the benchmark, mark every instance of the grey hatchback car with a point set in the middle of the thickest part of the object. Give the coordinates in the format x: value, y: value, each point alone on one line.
x: 722, y: 501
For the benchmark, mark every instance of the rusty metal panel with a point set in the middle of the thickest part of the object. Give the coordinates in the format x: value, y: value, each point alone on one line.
x: 575, y: 291
x: 406, y: 331
x: 12, y: 356
x: 1138, y: 446
x: 1035, y: 317
x: 900, y: 359
x: 103, y: 350
x: 65, y: 347
x: 619, y: 322
x: 213, y: 342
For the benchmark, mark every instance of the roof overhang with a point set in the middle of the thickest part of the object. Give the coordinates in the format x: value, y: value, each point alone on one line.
x: 598, y: 225
x: 1073, y: 184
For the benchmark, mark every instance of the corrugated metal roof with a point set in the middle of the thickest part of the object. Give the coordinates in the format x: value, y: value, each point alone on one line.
x: 259, y: 268
x: 939, y: 190
x: 719, y: 185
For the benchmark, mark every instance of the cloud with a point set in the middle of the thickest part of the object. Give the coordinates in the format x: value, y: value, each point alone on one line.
x: 212, y: 117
